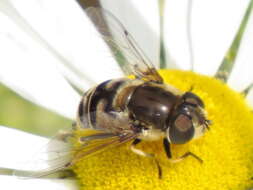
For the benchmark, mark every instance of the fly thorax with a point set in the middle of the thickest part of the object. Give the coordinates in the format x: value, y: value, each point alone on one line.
x: 152, y: 104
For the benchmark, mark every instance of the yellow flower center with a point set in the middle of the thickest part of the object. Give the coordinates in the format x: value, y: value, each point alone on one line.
x: 226, y: 149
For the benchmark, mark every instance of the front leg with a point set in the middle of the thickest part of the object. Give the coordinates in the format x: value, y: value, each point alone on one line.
x: 145, y: 154
x: 166, y: 145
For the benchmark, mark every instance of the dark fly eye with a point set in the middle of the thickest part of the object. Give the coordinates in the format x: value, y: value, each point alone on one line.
x: 183, y: 123
x: 181, y: 129
x: 193, y: 99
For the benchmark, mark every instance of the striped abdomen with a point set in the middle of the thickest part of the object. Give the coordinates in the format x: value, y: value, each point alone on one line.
x: 104, y: 107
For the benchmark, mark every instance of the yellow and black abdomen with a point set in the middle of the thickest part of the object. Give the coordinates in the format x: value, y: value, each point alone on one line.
x: 104, y: 106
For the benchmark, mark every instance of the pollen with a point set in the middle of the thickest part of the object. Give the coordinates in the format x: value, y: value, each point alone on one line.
x: 226, y: 149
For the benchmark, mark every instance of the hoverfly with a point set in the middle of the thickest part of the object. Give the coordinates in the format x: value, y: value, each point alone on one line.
x: 125, y: 110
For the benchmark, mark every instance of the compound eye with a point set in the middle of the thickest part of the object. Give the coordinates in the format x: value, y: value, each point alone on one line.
x: 181, y: 130
x: 193, y: 99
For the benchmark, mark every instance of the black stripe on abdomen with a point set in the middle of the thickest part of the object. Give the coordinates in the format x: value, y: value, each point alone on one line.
x: 83, y: 109
x: 105, y: 94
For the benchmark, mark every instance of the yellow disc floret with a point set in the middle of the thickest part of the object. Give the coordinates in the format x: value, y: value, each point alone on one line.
x: 226, y: 149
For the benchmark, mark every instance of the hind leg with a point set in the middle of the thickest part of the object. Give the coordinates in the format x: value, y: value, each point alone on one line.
x: 145, y: 154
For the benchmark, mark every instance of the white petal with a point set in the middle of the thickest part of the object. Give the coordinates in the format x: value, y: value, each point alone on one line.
x: 214, y: 25
x: 14, y: 183
x: 141, y: 19
x: 71, y: 39
x: 29, y: 70
x: 17, y: 147
x: 175, y: 32
x: 242, y: 74
x: 54, y: 38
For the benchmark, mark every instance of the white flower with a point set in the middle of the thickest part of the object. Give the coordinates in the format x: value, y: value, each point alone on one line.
x: 42, y: 42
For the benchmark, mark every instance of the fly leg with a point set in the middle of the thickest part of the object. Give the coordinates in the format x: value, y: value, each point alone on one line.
x: 145, y: 154
x: 166, y: 145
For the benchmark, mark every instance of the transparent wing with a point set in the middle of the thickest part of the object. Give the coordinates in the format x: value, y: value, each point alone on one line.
x: 46, y: 160
x: 63, y: 151
x: 124, y: 47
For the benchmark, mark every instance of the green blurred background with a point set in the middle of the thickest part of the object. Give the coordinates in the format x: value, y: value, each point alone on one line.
x: 19, y: 113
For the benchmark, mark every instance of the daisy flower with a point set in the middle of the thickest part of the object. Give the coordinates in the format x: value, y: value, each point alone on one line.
x: 50, y: 54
